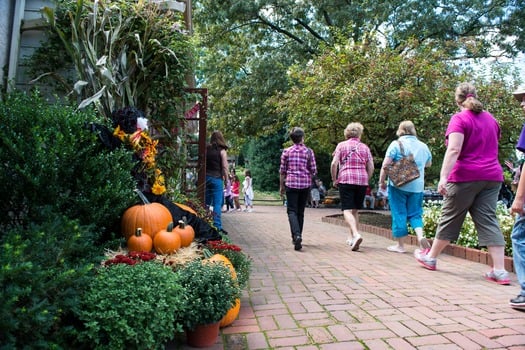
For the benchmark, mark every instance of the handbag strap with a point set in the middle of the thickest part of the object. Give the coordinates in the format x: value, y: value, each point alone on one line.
x: 401, y: 149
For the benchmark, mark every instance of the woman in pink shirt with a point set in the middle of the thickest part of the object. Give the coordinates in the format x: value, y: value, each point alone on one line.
x: 352, y: 166
x: 470, y: 181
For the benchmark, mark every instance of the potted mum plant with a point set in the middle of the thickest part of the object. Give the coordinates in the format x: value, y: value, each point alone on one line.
x: 240, y: 260
x: 210, y: 291
x: 131, y: 304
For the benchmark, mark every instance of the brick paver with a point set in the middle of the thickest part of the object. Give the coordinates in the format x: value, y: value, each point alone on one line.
x: 328, y: 297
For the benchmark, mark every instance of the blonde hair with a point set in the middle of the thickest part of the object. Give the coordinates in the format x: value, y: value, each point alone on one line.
x: 467, y: 97
x: 354, y: 130
x: 406, y: 127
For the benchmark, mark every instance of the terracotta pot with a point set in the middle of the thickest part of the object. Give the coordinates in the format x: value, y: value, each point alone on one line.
x: 203, y: 335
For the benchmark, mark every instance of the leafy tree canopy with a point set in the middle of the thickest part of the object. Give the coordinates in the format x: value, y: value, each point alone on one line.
x: 380, y: 88
x: 273, y: 64
x: 251, y: 44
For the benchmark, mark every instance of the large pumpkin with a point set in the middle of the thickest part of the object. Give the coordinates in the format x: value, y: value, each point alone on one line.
x: 186, y: 233
x: 221, y: 259
x: 139, y: 242
x: 151, y: 217
x: 166, y: 241
x: 231, y: 315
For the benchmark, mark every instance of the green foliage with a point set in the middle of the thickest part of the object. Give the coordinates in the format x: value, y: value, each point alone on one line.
x: 43, y: 271
x: 124, y: 53
x: 344, y: 85
x: 53, y: 164
x: 210, y: 291
x: 131, y: 307
x: 264, y: 155
x: 248, y: 47
x: 468, y: 236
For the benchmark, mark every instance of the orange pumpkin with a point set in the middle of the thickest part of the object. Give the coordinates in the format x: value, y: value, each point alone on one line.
x: 166, y: 241
x: 139, y: 242
x: 186, y: 232
x: 221, y: 259
x: 231, y: 315
x: 151, y: 217
x: 186, y: 207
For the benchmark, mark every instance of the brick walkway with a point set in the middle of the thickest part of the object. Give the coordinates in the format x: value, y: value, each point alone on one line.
x: 328, y: 297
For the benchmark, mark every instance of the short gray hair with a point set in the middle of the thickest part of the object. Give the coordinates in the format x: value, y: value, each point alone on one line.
x: 354, y: 130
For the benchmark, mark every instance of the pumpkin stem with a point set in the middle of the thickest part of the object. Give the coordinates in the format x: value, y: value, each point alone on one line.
x: 170, y: 227
x: 182, y: 223
x: 138, y: 232
x: 142, y: 196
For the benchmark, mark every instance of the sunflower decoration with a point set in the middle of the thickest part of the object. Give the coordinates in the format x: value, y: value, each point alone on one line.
x: 131, y: 128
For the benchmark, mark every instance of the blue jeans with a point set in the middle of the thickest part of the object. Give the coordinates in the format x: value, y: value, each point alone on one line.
x: 405, y: 207
x: 518, y: 250
x: 214, y: 196
x: 296, y: 202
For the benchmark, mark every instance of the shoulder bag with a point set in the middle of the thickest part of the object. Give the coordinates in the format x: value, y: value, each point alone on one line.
x: 404, y: 170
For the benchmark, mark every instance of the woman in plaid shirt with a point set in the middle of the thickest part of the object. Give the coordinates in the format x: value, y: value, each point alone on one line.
x: 297, y: 169
x: 351, y: 169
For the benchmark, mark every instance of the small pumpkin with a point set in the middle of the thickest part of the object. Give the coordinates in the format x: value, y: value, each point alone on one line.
x: 166, y: 241
x: 140, y: 242
x: 231, y: 315
x: 221, y: 259
x: 186, y: 233
x: 151, y: 217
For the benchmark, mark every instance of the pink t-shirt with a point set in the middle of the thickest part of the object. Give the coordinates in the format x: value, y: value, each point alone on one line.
x: 236, y: 188
x: 353, y: 156
x: 478, y: 159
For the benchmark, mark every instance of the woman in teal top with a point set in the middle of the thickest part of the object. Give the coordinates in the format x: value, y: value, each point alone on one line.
x: 406, y: 201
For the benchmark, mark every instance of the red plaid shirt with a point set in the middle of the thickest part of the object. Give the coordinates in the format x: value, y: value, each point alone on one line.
x: 298, y: 164
x: 353, y: 155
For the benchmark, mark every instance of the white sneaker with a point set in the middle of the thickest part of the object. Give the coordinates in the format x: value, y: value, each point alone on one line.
x: 356, y: 242
x: 250, y: 210
x: 396, y: 249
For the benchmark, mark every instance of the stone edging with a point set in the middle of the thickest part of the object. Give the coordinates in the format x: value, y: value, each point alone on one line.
x: 470, y: 254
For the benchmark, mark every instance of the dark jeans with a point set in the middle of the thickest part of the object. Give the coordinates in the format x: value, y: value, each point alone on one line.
x: 296, y: 202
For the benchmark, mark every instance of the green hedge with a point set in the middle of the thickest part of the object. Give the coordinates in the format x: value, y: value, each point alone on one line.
x: 62, y: 195
x: 52, y: 163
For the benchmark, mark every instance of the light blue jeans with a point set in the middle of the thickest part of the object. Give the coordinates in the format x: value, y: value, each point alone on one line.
x: 518, y: 250
x: 405, y: 207
x: 214, y: 196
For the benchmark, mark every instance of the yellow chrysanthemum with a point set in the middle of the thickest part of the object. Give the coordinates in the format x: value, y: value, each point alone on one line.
x: 158, y: 189
x: 146, y: 149
x: 118, y: 132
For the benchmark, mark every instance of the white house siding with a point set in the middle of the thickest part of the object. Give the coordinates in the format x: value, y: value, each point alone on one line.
x: 6, y: 22
x: 32, y: 34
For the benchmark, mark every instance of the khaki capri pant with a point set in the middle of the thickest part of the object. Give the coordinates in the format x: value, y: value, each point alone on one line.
x: 480, y: 199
